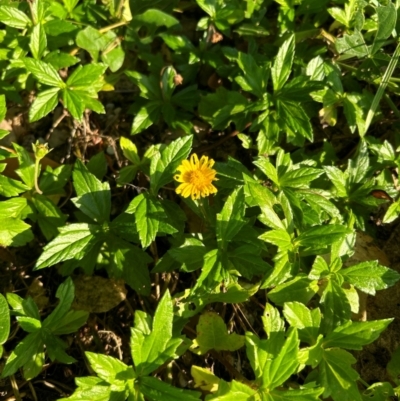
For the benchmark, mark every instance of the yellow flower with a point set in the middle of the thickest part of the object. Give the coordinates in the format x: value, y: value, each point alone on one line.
x: 196, y: 177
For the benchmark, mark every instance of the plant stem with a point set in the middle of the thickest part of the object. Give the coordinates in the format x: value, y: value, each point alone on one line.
x: 37, y: 172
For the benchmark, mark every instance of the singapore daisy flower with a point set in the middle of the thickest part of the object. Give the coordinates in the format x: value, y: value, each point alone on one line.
x: 196, y: 177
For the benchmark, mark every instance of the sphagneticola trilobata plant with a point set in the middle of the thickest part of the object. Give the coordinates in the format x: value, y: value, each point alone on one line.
x: 222, y: 162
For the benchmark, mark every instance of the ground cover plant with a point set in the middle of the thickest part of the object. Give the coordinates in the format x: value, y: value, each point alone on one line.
x: 199, y: 200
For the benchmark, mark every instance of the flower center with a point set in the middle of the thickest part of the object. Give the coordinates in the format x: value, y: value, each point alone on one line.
x: 196, y: 178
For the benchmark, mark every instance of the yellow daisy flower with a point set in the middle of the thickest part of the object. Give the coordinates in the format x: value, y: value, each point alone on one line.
x: 196, y: 177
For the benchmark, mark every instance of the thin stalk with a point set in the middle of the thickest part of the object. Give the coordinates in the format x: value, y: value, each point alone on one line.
x: 37, y: 172
x: 381, y: 89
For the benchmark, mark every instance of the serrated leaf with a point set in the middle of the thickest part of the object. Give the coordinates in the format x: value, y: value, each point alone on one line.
x: 29, y: 324
x: 43, y: 72
x: 14, y: 232
x: 164, y: 164
x: 73, y: 103
x: 280, y: 238
x: 156, y: 390
x: 86, y: 77
x: 337, y: 376
x: 354, y: 335
x: 282, y: 65
x: 370, y: 276
x: 109, y: 368
x: 65, y: 293
x: 72, y: 239
x: 44, y: 104
x: 148, y: 215
x: 306, y: 321
x: 335, y: 306
x: 26, y: 168
x: 154, y: 345
x: 94, y: 197
x: 321, y: 236
x: 387, y: 17
x: 38, y: 41
x: 13, y: 17
x: 212, y: 333
x: 300, y: 178
x: 129, y: 150
x: 338, y: 179
x: 23, y: 353
x: 231, y: 219
x: 278, y: 369
x: 4, y: 321
x: 146, y: 116
x: 300, y: 289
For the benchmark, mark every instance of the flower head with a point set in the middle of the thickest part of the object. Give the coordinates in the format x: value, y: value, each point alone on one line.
x: 196, y: 177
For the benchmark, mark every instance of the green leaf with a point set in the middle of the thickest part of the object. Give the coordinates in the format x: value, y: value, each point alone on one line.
x: 337, y: 376
x: 65, y: 293
x: 4, y: 322
x: 335, y: 306
x: 278, y: 369
x: 264, y: 198
x: 148, y: 214
x: 300, y: 178
x: 254, y: 78
x: 304, y: 394
x: 392, y: 213
x: 13, y: 17
x: 282, y: 65
x: 234, y: 391
x: 370, y: 276
x: 354, y: 335
x: 212, y: 333
x: 157, y: 390
x: 164, y: 164
x: 70, y: 322
x: 129, y: 150
x: 14, y: 232
x: 10, y: 187
x: 307, y: 322
x: 97, y: 165
x: 86, y: 77
x: 92, y: 41
x: 321, y: 236
x: 109, y: 368
x: 3, y: 107
x: 26, y: 168
x: 44, y: 104
x: 94, y: 197
x: 45, y: 73
x: 72, y: 240
x: 300, y: 289
x: 23, y: 353
x: 387, y: 17
x: 352, y: 45
x: 222, y: 107
x: 338, y: 179
x: 16, y: 207
x: 231, y: 219
x: 49, y: 216
x: 157, y: 18
x: 114, y: 58
x: 146, y: 116
x: 60, y: 60
x: 151, y: 351
x: 295, y: 121
x: 280, y: 238
x: 29, y: 324
x: 38, y: 41
x: 73, y: 103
